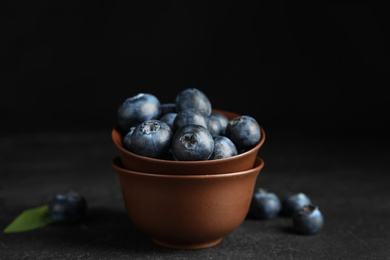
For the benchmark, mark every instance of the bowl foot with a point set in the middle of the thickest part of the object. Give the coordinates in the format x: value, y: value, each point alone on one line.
x: 188, y: 246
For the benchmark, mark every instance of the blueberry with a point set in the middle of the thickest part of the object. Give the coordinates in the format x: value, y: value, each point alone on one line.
x: 264, y: 205
x: 214, y: 126
x: 292, y: 204
x: 168, y: 118
x: 67, y: 208
x: 152, y: 138
x: 137, y: 109
x: 308, y: 220
x: 192, y: 143
x: 244, y: 131
x: 189, y: 116
x: 168, y: 108
x: 223, y: 148
x: 193, y: 98
x: 222, y: 119
x: 127, y: 140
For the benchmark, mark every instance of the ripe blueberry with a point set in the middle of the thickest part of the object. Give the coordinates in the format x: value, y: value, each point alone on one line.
x: 193, y: 98
x: 67, y: 208
x: 244, y: 131
x: 223, y: 148
x: 127, y: 140
x: 214, y: 126
x: 192, y: 143
x: 137, y: 109
x: 222, y: 119
x: 292, y: 204
x: 168, y: 108
x: 152, y: 138
x: 189, y: 116
x: 168, y: 118
x: 264, y: 205
x: 308, y: 220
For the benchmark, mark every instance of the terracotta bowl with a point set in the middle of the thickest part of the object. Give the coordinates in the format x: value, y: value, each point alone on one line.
x: 187, y: 211
x: 240, y: 162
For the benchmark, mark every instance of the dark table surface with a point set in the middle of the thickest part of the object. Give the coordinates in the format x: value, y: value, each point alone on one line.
x: 348, y: 179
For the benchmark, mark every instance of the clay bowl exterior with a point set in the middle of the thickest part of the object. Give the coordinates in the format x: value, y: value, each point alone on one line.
x: 240, y: 162
x: 187, y: 211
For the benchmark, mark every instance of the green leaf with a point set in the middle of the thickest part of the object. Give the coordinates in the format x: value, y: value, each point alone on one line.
x: 30, y: 219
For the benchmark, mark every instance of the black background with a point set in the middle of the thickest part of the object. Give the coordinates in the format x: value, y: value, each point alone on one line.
x: 318, y: 70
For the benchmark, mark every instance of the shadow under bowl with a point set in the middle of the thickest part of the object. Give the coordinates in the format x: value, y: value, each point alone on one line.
x: 187, y: 211
x: 240, y: 162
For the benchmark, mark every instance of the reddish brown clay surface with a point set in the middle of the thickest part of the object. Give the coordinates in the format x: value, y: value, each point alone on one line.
x: 187, y: 211
x: 241, y: 162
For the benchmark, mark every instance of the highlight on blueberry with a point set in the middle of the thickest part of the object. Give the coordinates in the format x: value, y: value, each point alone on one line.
x: 69, y: 207
x: 192, y: 143
x: 264, y: 205
x: 135, y: 110
x: 292, y: 204
x: 193, y: 98
x: 308, y: 220
x: 222, y: 119
x: 214, y: 126
x: 152, y: 138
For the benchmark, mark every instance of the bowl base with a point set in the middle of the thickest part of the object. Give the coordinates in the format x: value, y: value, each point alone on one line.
x: 188, y: 246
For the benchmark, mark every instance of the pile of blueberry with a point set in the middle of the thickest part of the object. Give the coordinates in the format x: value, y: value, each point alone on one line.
x: 307, y: 218
x: 186, y: 130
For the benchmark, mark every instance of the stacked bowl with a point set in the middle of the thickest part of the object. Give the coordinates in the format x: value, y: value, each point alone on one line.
x: 187, y: 204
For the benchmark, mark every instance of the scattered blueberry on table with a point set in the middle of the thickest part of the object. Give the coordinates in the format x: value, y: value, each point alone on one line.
x: 264, y: 204
x: 69, y: 207
x: 293, y: 203
x: 308, y: 220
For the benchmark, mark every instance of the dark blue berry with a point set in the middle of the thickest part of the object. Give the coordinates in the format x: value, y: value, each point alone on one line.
x: 126, y: 142
x: 190, y: 116
x: 222, y: 119
x: 67, y: 208
x: 292, y: 204
x: 137, y: 109
x: 308, y: 220
x: 152, y: 138
x: 168, y: 108
x: 214, y: 126
x: 193, y: 98
x: 223, y: 148
x: 244, y: 131
x: 264, y: 205
x: 192, y: 143
x: 168, y: 118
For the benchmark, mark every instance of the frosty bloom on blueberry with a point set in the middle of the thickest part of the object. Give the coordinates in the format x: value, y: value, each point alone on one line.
x: 189, y: 116
x: 244, y: 132
x: 265, y: 205
x: 308, y: 220
x: 223, y: 148
x: 152, y: 138
x: 292, y: 204
x: 192, y: 143
x: 193, y: 98
x: 137, y: 109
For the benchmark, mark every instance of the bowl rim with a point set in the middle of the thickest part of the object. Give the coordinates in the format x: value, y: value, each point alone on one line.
x: 123, y: 150
x: 116, y: 163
